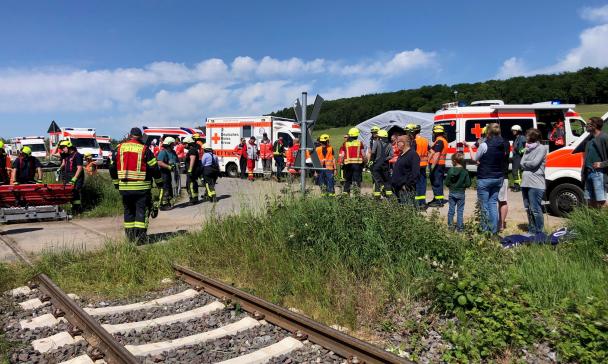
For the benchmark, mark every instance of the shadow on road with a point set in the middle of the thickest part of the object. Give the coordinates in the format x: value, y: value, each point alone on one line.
x: 155, y: 238
x: 20, y: 231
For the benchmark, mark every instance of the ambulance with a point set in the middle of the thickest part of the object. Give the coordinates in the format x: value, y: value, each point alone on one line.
x: 563, y: 175
x: 36, y: 144
x: 225, y: 133
x: 84, y: 139
x: 106, y: 148
x: 159, y: 132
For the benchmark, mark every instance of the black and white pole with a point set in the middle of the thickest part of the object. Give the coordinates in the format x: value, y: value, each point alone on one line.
x: 304, y: 129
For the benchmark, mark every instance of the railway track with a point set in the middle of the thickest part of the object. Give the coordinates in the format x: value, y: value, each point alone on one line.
x: 196, y: 320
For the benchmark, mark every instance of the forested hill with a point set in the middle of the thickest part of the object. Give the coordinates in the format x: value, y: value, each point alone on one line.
x: 587, y: 86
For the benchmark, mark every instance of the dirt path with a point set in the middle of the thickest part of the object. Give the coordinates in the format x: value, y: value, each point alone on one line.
x: 234, y: 195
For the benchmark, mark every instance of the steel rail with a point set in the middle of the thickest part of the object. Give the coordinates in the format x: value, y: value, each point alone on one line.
x: 355, y: 350
x: 97, y: 336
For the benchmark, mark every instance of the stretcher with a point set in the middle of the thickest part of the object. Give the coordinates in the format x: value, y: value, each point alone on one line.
x: 33, y: 201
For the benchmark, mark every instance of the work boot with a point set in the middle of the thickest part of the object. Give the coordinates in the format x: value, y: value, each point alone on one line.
x: 166, y: 207
x: 435, y: 203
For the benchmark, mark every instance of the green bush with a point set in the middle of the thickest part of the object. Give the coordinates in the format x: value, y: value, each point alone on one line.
x: 99, y: 197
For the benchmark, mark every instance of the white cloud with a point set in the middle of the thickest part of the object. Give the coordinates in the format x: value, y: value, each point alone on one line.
x: 167, y: 92
x: 599, y: 14
x: 591, y: 51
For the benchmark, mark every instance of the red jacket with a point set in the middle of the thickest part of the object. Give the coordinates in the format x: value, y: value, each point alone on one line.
x: 266, y: 150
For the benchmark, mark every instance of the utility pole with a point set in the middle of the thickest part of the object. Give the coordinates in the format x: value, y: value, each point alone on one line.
x: 303, y: 141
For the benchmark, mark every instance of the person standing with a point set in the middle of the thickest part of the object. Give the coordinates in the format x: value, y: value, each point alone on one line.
x: 241, y: 152
x: 133, y: 169
x: 325, y: 152
x: 341, y: 161
x: 421, y: 145
x: 533, y: 180
x: 167, y: 162
x: 437, y: 157
x: 73, y: 173
x: 353, y: 161
x: 374, y: 136
x: 490, y: 176
x: 193, y: 167
x: 211, y: 172
x: 5, y: 165
x: 380, y: 155
x: 503, y: 194
x: 266, y: 154
x: 26, y: 169
x: 519, y: 146
x: 405, y: 171
x: 594, y: 173
x: 278, y: 152
x: 91, y: 167
x: 253, y: 153
x: 457, y: 181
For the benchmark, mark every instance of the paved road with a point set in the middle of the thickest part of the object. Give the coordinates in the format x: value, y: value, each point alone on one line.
x: 234, y: 195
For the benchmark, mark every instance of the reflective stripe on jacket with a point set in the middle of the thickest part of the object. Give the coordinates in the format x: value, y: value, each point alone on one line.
x: 422, y: 148
x: 327, y: 160
x: 440, y: 157
x: 353, y: 152
x: 266, y: 150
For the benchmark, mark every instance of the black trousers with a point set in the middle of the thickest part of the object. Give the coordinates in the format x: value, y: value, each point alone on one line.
x: 76, y: 194
x: 279, y: 161
x: 516, y: 169
x: 380, y: 174
x: 243, y: 167
x: 353, y: 173
x: 192, y: 186
x: 137, y: 206
x: 209, y: 178
x: 166, y: 194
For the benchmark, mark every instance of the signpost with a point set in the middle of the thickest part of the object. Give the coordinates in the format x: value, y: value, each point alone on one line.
x: 306, y: 142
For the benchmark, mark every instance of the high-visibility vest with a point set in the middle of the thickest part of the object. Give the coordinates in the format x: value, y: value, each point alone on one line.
x: 278, y: 149
x: 91, y: 168
x: 327, y: 160
x: 440, y: 156
x: 422, y: 148
x: 131, y: 166
x: 266, y: 150
x: 353, y: 152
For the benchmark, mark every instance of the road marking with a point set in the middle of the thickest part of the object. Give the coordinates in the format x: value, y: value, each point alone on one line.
x: 283, y: 347
x: 99, y: 311
x: 159, y: 347
x: 180, y: 317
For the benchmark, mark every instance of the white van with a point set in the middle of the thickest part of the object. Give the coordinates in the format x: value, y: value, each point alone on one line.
x: 85, y: 141
x: 36, y: 144
x: 224, y: 135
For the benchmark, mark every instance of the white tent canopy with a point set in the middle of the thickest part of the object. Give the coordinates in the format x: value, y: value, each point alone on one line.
x: 397, y: 120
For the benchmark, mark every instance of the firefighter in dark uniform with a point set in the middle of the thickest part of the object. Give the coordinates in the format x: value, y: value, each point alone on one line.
x: 193, y: 169
x: 72, y: 172
x: 5, y: 166
x: 132, y: 170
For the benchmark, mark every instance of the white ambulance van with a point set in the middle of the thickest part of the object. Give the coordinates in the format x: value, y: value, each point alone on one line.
x: 106, y: 148
x: 85, y: 141
x: 464, y: 124
x: 36, y: 144
x: 224, y: 135
x: 159, y: 132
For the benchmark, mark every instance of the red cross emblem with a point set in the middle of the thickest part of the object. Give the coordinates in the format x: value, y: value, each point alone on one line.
x: 477, y: 130
x: 216, y: 138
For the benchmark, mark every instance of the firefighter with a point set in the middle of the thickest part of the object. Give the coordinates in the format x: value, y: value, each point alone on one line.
x: 374, y: 135
x: 266, y: 155
x: 26, y: 169
x: 341, y: 160
x: 167, y: 162
x: 192, y: 170
x: 133, y: 169
x: 200, y: 142
x: 72, y: 171
x: 211, y: 172
x: 353, y: 160
x: 5, y: 165
x: 91, y: 167
x: 325, y: 152
x: 519, y: 147
x: 253, y: 153
x: 240, y: 151
x: 278, y: 152
x: 381, y: 153
x: 421, y: 146
x: 437, y: 158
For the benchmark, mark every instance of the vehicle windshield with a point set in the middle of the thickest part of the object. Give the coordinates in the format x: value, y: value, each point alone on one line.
x: 106, y: 147
x: 37, y: 147
x: 85, y: 143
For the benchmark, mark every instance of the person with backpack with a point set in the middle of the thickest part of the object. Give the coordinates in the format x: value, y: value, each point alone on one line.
x: 211, y: 172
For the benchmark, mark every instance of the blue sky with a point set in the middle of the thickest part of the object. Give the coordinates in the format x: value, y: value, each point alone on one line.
x: 114, y: 64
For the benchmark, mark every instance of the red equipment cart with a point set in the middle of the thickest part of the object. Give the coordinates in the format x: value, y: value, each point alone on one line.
x: 33, y: 201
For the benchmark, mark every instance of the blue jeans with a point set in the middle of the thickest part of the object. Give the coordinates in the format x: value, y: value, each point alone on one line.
x: 326, y: 181
x: 533, y: 199
x: 487, y: 194
x: 436, y: 176
x: 456, y: 205
x: 421, y: 187
x: 594, y: 186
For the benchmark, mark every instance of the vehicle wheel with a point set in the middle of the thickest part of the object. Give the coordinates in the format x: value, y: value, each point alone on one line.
x: 232, y: 170
x: 564, y: 198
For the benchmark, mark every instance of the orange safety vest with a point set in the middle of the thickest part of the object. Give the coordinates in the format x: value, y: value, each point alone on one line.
x: 422, y: 148
x: 440, y: 157
x: 266, y: 150
x: 91, y: 168
x: 327, y: 160
x: 131, y: 164
x: 353, y: 152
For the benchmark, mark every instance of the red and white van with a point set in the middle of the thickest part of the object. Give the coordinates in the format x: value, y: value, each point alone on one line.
x: 179, y: 133
x: 225, y: 134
